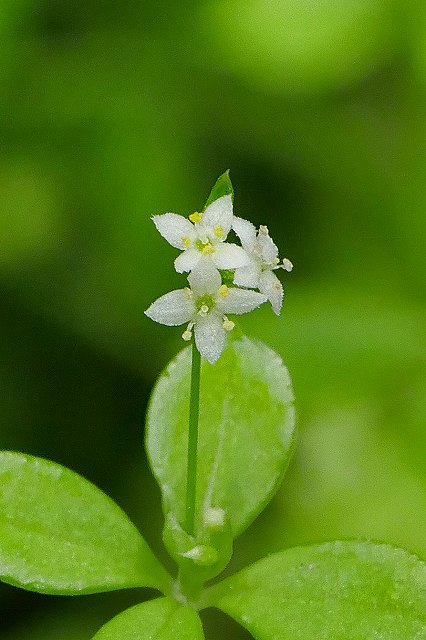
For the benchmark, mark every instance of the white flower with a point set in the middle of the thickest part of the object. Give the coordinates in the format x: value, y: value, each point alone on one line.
x: 204, y: 234
x: 204, y: 306
x: 263, y: 253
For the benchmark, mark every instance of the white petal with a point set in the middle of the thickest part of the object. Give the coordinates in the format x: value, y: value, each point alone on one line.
x: 210, y: 337
x: 204, y: 278
x: 218, y: 213
x: 240, y: 301
x: 246, y: 231
x: 174, y: 228
x: 273, y: 290
x: 229, y: 256
x: 173, y: 308
x: 248, y: 276
x: 187, y: 260
x: 268, y: 247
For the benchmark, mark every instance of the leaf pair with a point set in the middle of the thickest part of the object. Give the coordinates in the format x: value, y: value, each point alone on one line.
x: 61, y: 535
x: 334, y: 591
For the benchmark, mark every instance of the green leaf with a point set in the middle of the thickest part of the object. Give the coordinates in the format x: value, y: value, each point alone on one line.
x: 162, y: 619
x: 60, y: 534
x: 333, y: 591
x: 222, y: 187
x: 246, y: 434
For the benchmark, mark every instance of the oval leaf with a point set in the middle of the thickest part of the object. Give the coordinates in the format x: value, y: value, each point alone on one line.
x: 222, y: 187
x: 246, y: 433
x: 333, y: 591
x: 60, y: 534
x: 162, y: 619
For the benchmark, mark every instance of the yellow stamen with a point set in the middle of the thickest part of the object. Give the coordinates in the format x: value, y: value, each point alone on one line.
x: 228, y: 325
x: 196, y: 216
x: 223, y: 291
x: 208, y: 248
x: 218, y: 231
x: 187, y: 335
x: 186, y: 241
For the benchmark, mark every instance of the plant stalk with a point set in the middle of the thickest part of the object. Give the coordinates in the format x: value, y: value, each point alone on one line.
x: 191, y: 469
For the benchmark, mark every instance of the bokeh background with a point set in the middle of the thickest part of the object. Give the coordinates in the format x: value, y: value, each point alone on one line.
x: 111, y: 112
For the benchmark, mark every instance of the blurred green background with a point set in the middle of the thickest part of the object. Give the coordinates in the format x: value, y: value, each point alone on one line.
x: 112, y: 112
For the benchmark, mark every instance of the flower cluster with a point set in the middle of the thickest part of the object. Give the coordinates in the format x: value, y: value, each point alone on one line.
x: 204, y: 304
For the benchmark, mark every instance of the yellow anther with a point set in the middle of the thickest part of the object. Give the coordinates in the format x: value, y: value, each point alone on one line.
x: 223, y: 291
x: 186, y: 241
x: 196, y: 216
x: 208, y: 248
x: 228, y: 325
x: 218, y: 231
x: 263, y: 229
x: 187, y: 335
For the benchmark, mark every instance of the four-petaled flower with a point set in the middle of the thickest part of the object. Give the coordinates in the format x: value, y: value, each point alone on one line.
x: 208, y: 258
x: 204, y: 234
x: 204, y: 305
x: 263, y: 260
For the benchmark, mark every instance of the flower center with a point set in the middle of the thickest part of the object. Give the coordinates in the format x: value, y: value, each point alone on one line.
x: 204, y: 304
x: 205, y: 247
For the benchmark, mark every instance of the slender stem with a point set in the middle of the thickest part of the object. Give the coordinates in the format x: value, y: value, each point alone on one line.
x: 194, y: 409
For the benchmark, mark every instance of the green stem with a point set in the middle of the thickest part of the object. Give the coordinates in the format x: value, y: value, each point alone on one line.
x: 191, y: 469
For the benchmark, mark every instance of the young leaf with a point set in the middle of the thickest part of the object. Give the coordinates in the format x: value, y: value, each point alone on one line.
x: 59, y: 534
x: 162, y: 619
x: 246, y: 432
x: 333, y: 591
x: 222, y: 187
